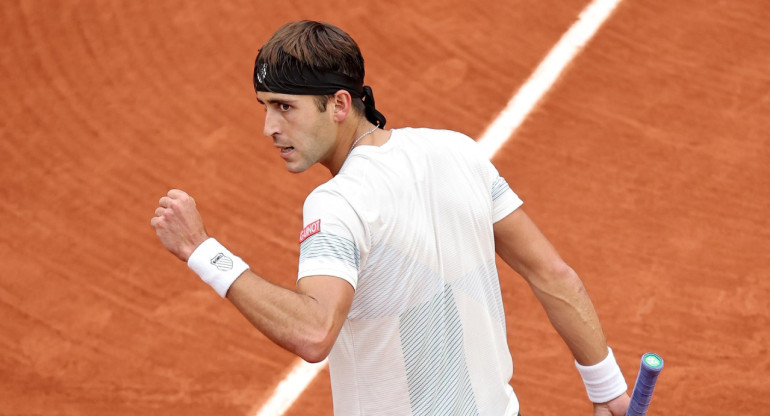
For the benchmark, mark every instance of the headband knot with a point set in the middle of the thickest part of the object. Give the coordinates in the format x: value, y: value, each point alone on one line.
x: 371, y: 113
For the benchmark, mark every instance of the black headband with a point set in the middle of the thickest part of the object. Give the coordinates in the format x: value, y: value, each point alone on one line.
x: 306, y: 81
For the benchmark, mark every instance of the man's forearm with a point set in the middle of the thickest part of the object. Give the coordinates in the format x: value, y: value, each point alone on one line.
x: 290, y: 319
x: 572, y: 314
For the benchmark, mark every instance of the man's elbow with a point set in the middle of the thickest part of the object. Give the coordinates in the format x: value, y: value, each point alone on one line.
x: 313, y: 355
x: 317, y: 347
x: 557, y: 274
x: 563, y: 272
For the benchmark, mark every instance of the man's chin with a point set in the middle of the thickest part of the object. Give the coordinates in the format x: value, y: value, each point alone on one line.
x: 293, y: 168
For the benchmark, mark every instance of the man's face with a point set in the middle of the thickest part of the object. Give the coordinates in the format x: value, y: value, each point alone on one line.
x: 303, y: 135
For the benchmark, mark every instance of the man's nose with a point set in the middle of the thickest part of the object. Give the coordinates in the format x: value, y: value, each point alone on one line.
x: 271, y: 125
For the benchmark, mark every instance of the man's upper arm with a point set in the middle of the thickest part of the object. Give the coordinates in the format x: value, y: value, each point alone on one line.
x: 522, y: 246
x: 334, y: 296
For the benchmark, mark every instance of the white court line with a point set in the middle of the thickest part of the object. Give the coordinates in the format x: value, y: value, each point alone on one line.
x: 506, y: 123
x: 287, y: 392
x: 549, y: 70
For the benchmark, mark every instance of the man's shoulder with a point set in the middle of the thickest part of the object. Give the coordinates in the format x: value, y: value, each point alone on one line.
x: 339, y: 188
x: 454, y: 144
x: 433, y: 133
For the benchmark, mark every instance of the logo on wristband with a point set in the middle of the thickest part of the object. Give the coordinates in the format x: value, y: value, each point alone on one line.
x: 222, y: 262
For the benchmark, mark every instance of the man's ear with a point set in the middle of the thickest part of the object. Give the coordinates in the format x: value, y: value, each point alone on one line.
x: 341, y: 104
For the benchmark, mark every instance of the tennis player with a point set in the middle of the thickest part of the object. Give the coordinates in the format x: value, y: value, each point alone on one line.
x: 397, y: 280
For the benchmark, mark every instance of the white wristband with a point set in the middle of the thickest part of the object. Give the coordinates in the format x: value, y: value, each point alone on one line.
x: 603, y: 381
x: 216, y: 265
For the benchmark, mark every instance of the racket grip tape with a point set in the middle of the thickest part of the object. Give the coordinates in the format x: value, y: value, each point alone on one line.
x: 645, y: 384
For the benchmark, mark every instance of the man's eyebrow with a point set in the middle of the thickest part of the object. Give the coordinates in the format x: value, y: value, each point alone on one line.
x: 277, y: 101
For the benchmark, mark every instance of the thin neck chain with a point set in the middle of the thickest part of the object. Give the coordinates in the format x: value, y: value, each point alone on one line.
x: 361, y: 137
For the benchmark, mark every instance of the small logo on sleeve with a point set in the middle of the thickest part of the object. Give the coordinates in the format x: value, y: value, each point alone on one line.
x: 312, y: 228
x: 222, y: 262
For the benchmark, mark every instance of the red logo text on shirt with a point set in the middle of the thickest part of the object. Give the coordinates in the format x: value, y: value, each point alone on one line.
x: 312, y: 228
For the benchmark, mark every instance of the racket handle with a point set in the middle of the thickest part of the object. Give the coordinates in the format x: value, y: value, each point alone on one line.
x: 645, y: 384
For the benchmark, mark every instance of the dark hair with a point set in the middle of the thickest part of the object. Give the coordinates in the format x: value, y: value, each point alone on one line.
x: 313, y: 46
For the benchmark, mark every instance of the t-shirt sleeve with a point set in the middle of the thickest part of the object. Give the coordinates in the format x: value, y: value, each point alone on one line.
x: 504, y: 200
x: 332, y: 237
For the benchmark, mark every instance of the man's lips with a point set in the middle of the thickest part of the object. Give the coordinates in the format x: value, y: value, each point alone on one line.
x: 285, y: 150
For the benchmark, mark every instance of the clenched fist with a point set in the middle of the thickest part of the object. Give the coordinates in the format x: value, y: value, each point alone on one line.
x: 179, y: 224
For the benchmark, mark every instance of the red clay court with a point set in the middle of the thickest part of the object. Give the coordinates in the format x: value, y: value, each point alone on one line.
x: 647, y: 165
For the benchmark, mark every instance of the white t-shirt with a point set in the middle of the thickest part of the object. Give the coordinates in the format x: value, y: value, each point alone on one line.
x: 409, y: 225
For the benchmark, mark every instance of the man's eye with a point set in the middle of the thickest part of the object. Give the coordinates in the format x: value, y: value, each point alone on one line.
x: 284, y: 107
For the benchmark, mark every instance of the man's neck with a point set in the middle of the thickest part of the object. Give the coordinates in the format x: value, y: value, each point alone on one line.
x: 349, y: 131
